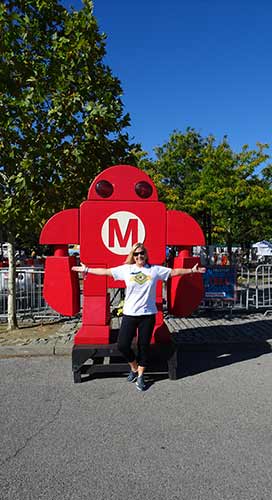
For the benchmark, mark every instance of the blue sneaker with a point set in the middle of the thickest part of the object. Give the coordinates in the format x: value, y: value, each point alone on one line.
x: 140, y: 384
x: 132, y: 376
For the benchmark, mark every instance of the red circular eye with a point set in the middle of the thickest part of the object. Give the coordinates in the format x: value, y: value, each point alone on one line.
x: 143, y: 189
x: 104, y: 189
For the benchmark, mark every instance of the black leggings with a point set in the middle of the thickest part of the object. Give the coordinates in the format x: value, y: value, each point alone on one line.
x: 145, y: 325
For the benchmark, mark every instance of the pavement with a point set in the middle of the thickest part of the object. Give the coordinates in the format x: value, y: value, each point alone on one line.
x: 198, y: 333
x: 240, y: 331
x: 60, y: 342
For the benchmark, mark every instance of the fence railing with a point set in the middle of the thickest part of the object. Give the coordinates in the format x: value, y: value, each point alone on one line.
x: 29, y: 296
x: 253, y: 291
x: 254, y: 286
x: 263, y: 286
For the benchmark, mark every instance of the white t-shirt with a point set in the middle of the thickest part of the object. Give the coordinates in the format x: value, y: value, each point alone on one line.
x: 140, y: 286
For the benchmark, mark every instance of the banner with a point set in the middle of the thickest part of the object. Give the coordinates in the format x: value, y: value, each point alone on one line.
x: 220, y: 282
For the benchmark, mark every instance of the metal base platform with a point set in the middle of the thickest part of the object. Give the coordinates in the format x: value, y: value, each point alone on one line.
x: 108, y: 359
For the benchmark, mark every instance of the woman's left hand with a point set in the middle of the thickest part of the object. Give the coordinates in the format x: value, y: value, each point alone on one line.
x: 197, y: 269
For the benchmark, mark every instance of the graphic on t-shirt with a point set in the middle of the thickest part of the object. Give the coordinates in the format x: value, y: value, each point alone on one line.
x: 140, y: 278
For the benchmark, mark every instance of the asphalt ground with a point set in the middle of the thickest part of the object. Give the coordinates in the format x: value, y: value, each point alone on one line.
x: 206, y: 436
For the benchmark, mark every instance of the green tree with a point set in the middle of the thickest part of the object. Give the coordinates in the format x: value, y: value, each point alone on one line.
x: 61, y: 114
x: 218, y: 186
x: 178, y: 166
x: 236, y: 198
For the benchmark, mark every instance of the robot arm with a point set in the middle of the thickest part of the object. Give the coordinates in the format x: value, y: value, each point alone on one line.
x: 183, y: 230
x: 61, y: 285
x: 184, y: 293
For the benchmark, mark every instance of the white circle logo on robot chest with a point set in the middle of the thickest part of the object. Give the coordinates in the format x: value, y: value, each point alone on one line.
x: 121, y: 230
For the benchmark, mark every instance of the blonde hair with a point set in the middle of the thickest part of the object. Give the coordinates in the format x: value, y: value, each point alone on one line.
x: 130, y: 258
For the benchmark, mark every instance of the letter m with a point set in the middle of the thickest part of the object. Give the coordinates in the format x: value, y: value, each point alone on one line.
x: 114, y: 230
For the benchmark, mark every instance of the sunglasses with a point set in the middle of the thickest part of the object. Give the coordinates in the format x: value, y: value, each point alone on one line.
x: 138, y: 253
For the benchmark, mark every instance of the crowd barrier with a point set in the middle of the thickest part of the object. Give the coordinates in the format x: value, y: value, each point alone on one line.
x: 253, y: 291
x: 263, y: 286
x: 29, y: 296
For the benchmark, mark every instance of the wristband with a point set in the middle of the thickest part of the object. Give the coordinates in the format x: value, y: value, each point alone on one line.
x: 85, y: 272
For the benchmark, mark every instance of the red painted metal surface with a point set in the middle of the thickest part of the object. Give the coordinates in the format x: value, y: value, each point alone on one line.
x: 62, y: 228
x: 122, y: 208
x: 184, y: 293
x: 109, y: 229
x: 61, y: 286
x: 124, y: 179
x: 183, y: 230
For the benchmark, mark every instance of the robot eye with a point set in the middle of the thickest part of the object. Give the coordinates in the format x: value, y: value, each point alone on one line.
x: 143, y: 189
x: 104, y: 189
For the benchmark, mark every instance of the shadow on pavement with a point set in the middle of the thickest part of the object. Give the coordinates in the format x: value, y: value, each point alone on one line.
x: 194, y: 362
x: 207, y: 348
x: 250, y: 332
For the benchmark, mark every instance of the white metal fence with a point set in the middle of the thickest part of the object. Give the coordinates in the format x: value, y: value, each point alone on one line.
x: 253, y: 291
x: 254, y: 287
x: 263, y: 286
x: 29, y: 297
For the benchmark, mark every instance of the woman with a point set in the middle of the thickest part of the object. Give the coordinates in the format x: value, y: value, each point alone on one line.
x: 140, y: 309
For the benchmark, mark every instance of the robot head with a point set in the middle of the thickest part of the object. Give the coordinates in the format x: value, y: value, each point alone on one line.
x: 122, y: 183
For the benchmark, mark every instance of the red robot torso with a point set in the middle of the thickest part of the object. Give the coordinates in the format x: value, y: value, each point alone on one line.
x: 122, y: 208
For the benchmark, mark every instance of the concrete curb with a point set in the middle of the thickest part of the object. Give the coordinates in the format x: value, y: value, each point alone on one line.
x: 190, y: 334
x: 63, y: 350
x: 25, y: 351
x: 32, y: 350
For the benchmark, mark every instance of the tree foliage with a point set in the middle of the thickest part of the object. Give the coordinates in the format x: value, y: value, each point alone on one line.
x: 61, y: 113
x: 221, y: 188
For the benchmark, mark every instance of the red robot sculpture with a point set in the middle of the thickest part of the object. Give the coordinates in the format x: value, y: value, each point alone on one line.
x: 122, y: 208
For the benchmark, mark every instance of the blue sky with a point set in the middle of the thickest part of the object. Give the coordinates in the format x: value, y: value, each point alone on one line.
x: 204, y: 64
